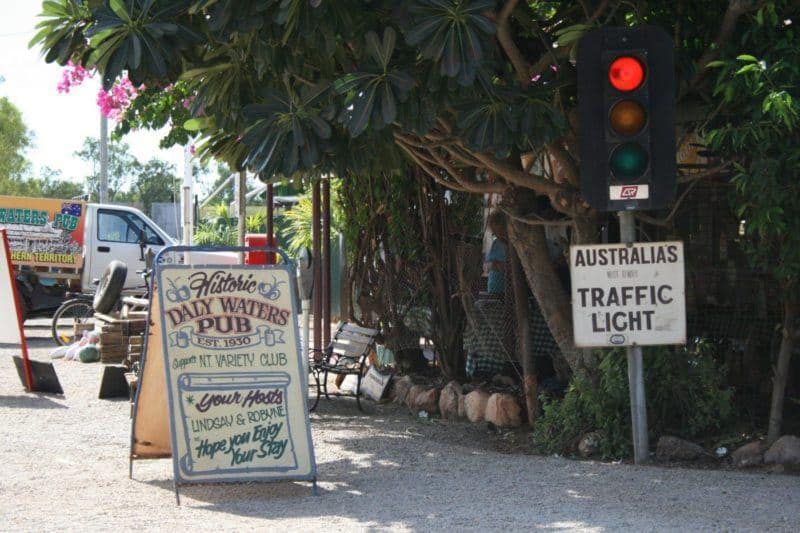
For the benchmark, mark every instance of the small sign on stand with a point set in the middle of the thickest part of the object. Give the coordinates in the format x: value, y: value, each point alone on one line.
x: 236, y: 389
x: 626, y: 295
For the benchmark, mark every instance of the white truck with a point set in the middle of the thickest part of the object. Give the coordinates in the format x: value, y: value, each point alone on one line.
x: 61, y: 246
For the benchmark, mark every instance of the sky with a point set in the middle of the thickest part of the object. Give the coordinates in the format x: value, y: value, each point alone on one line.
x: 59, y: 122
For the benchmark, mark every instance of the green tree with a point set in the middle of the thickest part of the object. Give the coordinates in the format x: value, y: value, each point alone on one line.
x: 14, y: 140
x: 53, y: 186
x: 155, y: 182
x: 476, y: 93
x: 123, y: 168
x: 756, y: 126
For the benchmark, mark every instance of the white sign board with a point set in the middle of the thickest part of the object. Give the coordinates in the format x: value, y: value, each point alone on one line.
x: 374, y: 384
x: 9, y: 326
x: 625, y: 295
x: 236, y: 386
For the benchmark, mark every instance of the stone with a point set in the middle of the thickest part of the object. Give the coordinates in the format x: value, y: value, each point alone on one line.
x: 503, y: 411
x: 675, y: 449
x: 428, y: 401
x: 462, y: 406
x: 589, y: 444
x: 401, y: 388
x: 475, y: 405
x: 751, y: 454
x: 784, y: 451
x: 411, y: 397
x: 449, y: 400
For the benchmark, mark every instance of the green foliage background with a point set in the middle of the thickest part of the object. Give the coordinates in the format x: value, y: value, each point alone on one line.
x: 686, y: 397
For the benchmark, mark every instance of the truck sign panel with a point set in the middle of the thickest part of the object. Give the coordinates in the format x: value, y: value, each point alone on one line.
x: 44, y: 232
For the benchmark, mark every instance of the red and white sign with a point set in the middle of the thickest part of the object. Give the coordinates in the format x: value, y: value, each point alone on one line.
x: 629, y: 192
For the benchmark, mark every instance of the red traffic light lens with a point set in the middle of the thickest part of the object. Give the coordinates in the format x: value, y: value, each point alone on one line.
x: 626, y: 73
x: 627, y: 117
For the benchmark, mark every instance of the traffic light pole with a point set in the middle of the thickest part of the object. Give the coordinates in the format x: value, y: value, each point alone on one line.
x: 627, y: 233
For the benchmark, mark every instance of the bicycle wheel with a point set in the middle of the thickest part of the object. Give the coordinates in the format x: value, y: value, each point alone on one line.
x: 69, y: 320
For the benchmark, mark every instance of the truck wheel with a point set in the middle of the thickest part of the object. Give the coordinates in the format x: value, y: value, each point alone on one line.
x: 110, y: 287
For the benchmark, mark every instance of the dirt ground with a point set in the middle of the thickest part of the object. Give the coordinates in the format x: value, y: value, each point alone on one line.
x: 65, y: 466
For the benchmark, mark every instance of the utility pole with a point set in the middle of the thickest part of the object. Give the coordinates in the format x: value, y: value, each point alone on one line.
x: 103, y: 159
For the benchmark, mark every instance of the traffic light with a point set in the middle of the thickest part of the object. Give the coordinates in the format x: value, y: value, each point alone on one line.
x: 626, y: 106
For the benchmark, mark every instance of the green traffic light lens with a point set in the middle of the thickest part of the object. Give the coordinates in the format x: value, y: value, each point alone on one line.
x: 628, y: 161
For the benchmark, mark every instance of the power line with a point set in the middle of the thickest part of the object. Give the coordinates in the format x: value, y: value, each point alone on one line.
x: 16, y: 34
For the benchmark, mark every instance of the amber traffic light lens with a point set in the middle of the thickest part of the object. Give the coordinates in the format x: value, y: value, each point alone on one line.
x: 626, y: 73
x: 628, y: 117
x: 628, y: 161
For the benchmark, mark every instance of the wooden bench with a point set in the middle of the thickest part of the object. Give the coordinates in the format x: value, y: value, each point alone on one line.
x: 345, y: 355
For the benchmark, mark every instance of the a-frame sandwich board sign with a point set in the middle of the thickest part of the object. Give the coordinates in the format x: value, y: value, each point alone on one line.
x: 230, y: 379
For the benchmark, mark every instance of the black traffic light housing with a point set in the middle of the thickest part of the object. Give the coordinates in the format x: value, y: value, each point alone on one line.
x: 626, y: 105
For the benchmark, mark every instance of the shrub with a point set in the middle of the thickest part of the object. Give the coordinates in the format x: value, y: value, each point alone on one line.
x: 685, y: 391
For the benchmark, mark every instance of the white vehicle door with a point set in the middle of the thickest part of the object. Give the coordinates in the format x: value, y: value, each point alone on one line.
x: 124, y: 236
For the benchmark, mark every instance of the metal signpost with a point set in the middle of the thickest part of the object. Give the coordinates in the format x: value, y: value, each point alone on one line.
x: 632, y: 295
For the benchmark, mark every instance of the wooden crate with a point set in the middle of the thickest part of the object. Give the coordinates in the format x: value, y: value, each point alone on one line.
x: 115, y: 334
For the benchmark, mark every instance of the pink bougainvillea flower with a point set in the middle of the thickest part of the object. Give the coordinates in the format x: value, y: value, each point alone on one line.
x: 72, y: 76
x: 113, y: 103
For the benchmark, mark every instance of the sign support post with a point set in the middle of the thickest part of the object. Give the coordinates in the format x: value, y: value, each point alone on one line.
x: 627, y: 232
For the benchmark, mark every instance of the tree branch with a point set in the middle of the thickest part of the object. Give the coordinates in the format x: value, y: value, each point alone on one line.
x: 736, y: 8
x: 521, y: 65
x: 665, y: 221
x: 538, y: 221
x: 565, y: 161
x: 461, y: 185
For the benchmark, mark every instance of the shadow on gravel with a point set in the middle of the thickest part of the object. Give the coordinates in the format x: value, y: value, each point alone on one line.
x: 30, y: 401
x: 373, y: 467
x: 32, y: 342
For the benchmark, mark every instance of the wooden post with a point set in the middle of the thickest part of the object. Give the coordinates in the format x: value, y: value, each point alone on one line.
x: 627, y: 233
x: 326, y: 262
x: 241, y: 203
x: 316, y: 250
x: 524, y: 348
x: 270, y: 223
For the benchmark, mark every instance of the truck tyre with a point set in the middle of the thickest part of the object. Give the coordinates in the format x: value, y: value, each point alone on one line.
x: 110, y: 287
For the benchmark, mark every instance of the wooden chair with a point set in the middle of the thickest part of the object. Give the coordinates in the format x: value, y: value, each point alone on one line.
x: 345, y: 355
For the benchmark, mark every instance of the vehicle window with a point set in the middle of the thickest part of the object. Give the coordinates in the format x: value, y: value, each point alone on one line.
x: 119, y: 226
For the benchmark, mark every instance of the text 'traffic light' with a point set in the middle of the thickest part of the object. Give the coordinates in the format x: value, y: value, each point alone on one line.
x: 626, y: 99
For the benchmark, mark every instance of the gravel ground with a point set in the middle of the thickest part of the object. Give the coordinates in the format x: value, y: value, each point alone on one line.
x: 64, y: 466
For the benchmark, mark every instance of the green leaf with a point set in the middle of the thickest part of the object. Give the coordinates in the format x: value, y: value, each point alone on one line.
x: 748, y: 68
x: 388, y: 105
x: 362, y: 109
x: 198, y: 124
x: 118, y: 7
x: 746, y: 57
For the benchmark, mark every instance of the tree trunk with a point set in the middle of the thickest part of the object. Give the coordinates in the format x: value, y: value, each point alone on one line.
x: 524, y: 349
x: 790, y: 308
x: 531, y: 247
